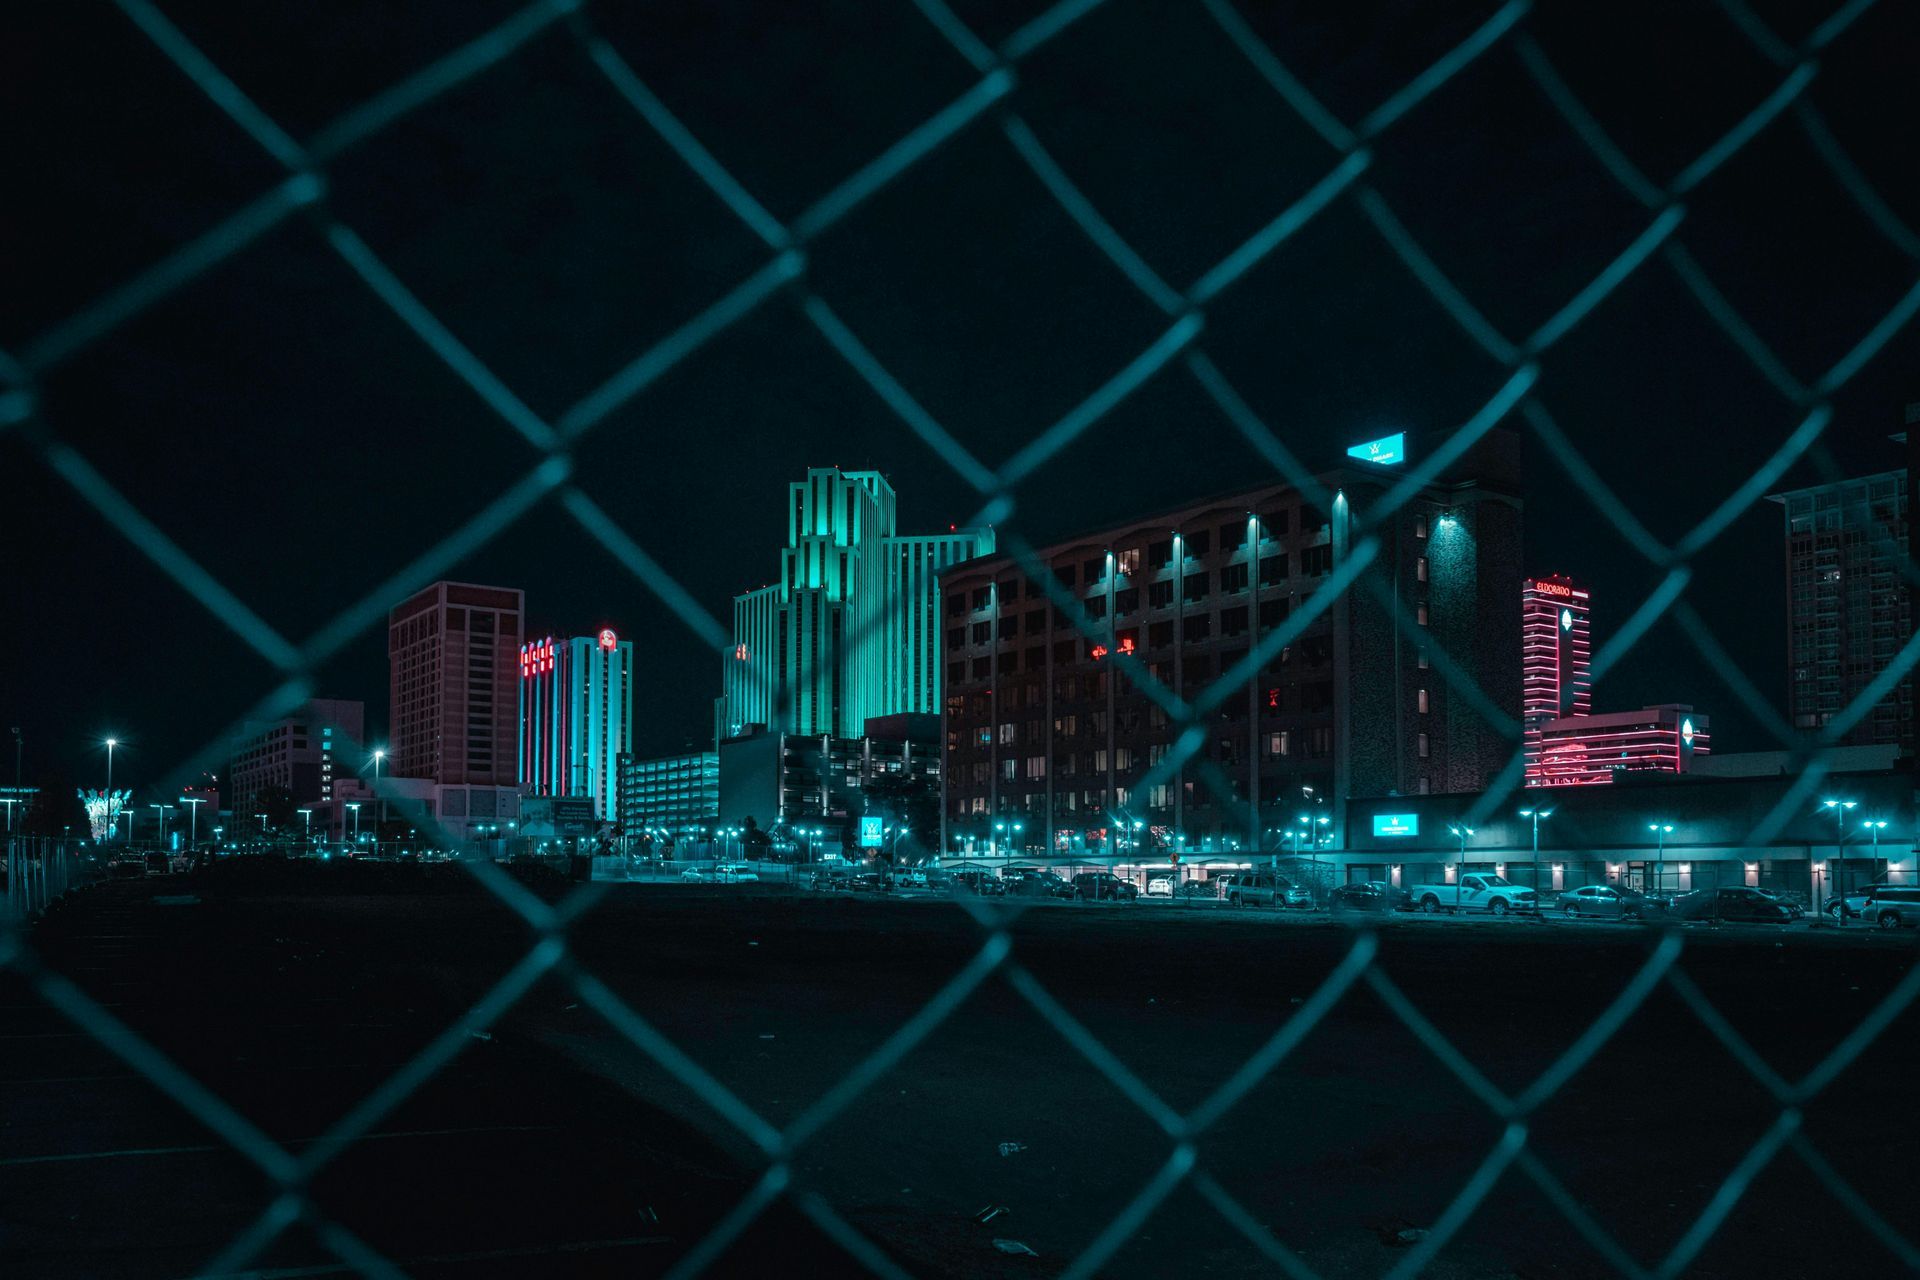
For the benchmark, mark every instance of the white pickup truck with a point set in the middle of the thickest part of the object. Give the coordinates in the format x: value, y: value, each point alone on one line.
x: 1495, y: 895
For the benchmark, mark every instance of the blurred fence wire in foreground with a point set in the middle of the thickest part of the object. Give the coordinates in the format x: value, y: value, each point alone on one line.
x: 37, y: 873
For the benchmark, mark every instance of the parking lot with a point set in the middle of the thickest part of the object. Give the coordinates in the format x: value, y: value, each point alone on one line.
x: 551, y: 1145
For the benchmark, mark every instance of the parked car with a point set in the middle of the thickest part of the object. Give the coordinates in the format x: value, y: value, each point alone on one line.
x: 1368, y: 895
x: 832, y: 880
x: 1478, y: 892
x: 127, y: 868
x: 870, y: 882
x: 1855, y: 899
x: 984, y: 883
x: 1160, y: 887
x: 1894, y: 907
x: 913, y: 880
x: 1795, y: 908
x: 1041, y: 884
x: 1103, y: 886
x: 734, y: 872
x: 1261, y: 889
x: 1610, y: 902
x: 1741, y: 905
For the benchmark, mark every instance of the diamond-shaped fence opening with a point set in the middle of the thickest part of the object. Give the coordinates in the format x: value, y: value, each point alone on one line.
x: 782, y: 274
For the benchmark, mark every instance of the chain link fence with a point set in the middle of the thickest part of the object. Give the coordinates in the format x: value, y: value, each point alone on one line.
x: 1351, y: 156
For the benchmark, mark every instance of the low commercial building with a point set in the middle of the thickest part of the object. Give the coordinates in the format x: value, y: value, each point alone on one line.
x: 1649, y: 831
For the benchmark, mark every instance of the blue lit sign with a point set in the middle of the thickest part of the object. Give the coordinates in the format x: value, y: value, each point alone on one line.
x: 871, y: 831
x: 1383, y: 452
x: 1396, y: 824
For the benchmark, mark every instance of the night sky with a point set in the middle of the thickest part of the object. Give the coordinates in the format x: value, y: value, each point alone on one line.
x: 302, y: 444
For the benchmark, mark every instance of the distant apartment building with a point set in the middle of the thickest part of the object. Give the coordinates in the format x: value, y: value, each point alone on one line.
x: 302, y: 754
x: 576, y: 717
x: 453, y: 675
x: 1849, y: 605
x: 1043, y: 727
x: 852, y: 627
x: 669, y: 793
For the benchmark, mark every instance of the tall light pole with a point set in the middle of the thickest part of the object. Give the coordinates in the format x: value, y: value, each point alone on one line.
x: 11, y: 801
x: 355, y: 806
x: 1462, y: 831
x: 378, y: 756
x: 160, y: 812
x: 308, y: 835
x: 1661, y: 830
x: 1876, y: 826
x: 1836, y: 890
x: 1536, y: 815
x: 193, y: 821
x: 129, y: 812
x: 111, y: 744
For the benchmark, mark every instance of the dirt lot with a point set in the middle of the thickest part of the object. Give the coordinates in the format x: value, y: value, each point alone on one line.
x: 550, y: 1145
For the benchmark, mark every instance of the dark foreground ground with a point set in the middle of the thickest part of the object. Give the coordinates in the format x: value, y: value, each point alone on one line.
x: 556, y: 1148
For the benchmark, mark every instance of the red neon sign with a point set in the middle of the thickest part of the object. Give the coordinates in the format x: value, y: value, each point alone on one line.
x: 1553, y: 589
x: 1099, y: 652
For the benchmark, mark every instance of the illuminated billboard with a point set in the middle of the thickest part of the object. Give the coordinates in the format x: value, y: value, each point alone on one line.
x: 1396, y: 824
x: 872, y: 832
x: 1383, y: 452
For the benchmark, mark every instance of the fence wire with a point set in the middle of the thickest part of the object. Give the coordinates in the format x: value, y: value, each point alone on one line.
x: 1522, y: 393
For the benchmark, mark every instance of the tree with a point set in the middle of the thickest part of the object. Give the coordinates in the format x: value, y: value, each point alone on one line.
x: 906, y: 800
x: 756, y: 842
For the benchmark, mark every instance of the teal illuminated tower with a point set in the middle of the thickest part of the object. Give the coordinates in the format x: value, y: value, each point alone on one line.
x: 852, y: 628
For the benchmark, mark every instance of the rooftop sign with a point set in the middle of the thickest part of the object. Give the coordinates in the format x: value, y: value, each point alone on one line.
x: 1384, y: 452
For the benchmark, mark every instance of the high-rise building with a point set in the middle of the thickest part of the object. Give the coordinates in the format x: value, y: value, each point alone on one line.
x: 1555, y: 651
x: 852, y: 627
x: 669, y: 793
x: 1042, y: 728
x: 1849, y: 608
x: 453, y: 672
x: 576, y: 717
x: 302, y: 754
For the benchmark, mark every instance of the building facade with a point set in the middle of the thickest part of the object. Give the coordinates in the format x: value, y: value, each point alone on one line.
x: 1849, y: 607
x: 453, y: 677
x: 576, y: 717
x: 1595, y: 749
x: 787, y: 780
x: 851, y: 628
x: 1556, y: 649
x: 1315, y: 692
x: 669, y: 793
x: 303, y: 754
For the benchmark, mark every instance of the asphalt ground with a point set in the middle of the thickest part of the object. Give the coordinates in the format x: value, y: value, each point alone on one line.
x: 552, y: 1146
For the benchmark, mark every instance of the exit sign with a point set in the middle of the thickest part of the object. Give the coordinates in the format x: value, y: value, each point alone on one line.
x: 1383, y: 452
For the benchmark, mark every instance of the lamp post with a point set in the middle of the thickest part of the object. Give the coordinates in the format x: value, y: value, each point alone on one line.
x: 129, y: 812
x: 1536, y: 815
x: 354, y: 805
x: 379, y: 754
x: 160, y: 812
x: 1837, y: 890
x: 307, y: 835
x: 1462, y: 831
x: 1661, y: 830
x: 11, y: 801
x: 111, y: 744
x: 193, y: 822
x: 1876, y: 826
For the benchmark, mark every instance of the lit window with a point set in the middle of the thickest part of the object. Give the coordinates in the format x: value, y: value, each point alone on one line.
x: 1420, y: 569
x: 1424, y: 703
x: 1420, y: 615
x: 1419, y: 526
x: 1425, y: 747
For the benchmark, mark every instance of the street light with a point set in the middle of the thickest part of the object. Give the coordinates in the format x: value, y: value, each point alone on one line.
x: 11, y: 801
x: 111, y: 744
x: 1460, y: 868
x: 193, y: 823
x: 355, y: 806
x: 160, y: 812
x: 307, y: 814
x: 1836, y: 889
x: 1875, y: 825
x: 1661, y: 830
x: 379, y: 754
x: 1536, y: 815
